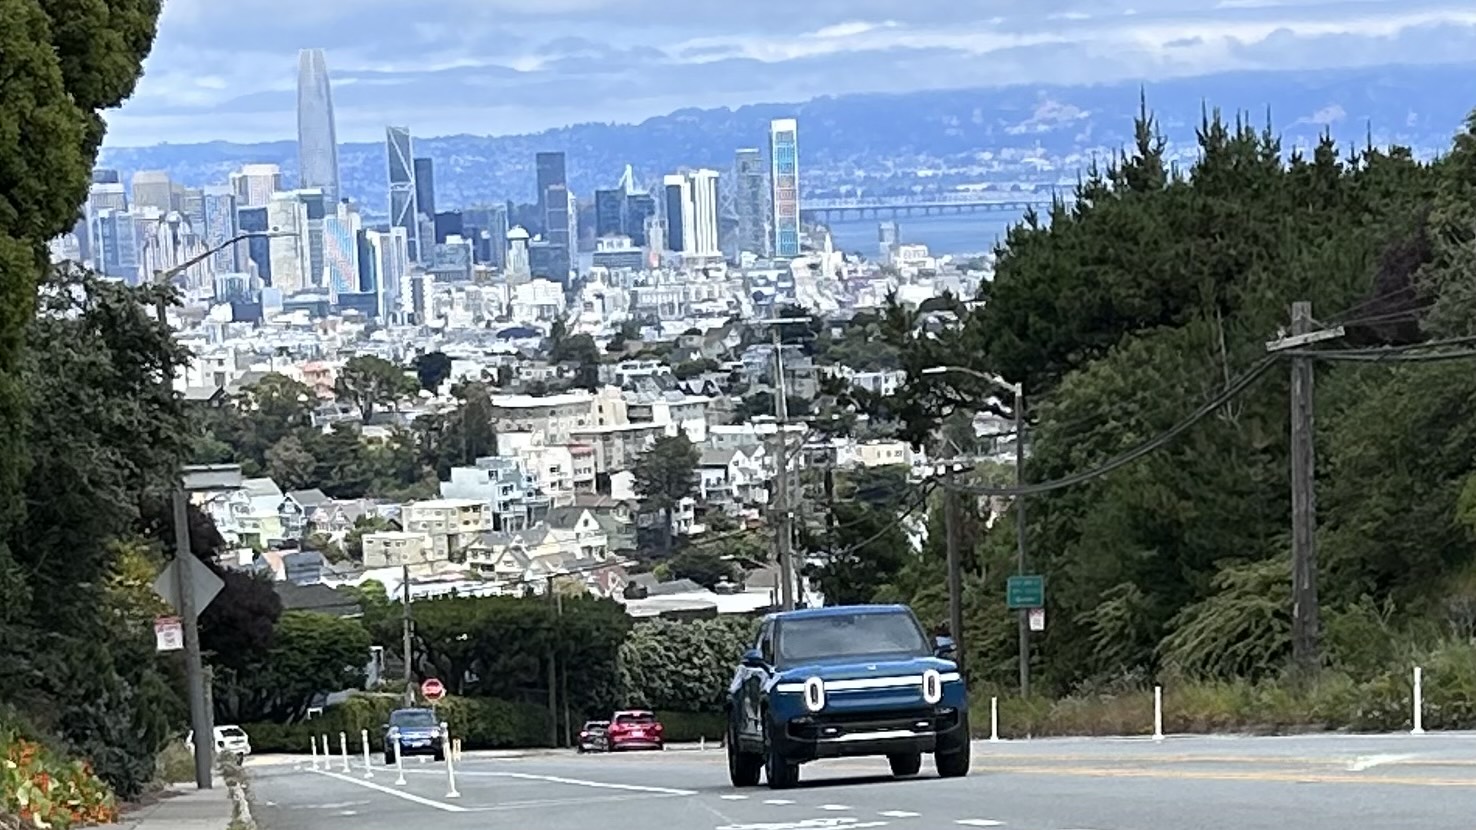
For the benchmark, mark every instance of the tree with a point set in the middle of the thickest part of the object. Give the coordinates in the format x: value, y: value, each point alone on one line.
x: 683, y: 666
x: 704, y: 566
x: 290, y: 465
x: 665, y: 474
x: 370, y: 382
x: 312, y: 654
x: 432, y: 369
x: 353, y: 541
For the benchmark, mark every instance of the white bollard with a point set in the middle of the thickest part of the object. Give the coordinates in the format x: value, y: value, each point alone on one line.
x: 327, y: 753
x: 994, y: 720
x: 368, y: 767
x: 399, y: 762
x: 314, y: 744
x: 1419, y: 702
x: 1157, y: 713
x: 450, y: 769
x: 702, y: 743
x: 343, y: 748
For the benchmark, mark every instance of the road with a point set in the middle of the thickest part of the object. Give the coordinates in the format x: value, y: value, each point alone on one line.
x: 1324, y: 782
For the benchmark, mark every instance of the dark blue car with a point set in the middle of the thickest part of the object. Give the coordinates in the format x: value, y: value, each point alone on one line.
x: 419, y: 734
x: 844, y: 682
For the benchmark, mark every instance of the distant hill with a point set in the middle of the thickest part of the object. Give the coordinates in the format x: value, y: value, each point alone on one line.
x: 1020, y: 133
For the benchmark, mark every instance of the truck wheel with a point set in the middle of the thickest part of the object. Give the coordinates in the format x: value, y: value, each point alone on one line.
x: 905, y: 764
x: 781, y: 773
x: 952, y: 764
x: 743, y: 767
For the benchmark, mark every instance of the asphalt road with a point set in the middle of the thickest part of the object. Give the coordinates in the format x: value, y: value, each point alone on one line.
x: 1325, y: 782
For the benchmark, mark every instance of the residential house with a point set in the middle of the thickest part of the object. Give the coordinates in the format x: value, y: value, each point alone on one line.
x: 733, y: 479
x: 402, y: 548
x: 617, y: 447
x: 502, y: 484
x: 451, y: 524
x: 676, y: 411
x: 296, y: 510
x: 251, y: 514
x: 557, y: 416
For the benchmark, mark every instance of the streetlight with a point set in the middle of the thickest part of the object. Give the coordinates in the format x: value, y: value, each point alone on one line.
x: 212, y: 478
x: 783, y: 538
x: 955, y: 576
x: 166, y: 276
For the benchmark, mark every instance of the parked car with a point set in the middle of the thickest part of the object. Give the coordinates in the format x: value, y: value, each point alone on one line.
x: 595, y: 736
x: 635, y: 729
x: 848, y: 681
x: 229, y: 740
x: 419, y: 734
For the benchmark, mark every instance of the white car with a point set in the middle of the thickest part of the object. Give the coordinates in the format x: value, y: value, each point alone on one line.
x: 229, y: 740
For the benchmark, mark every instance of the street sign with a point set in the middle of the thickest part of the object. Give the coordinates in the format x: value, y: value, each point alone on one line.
x: 207, y: 584
x: 432, y: 689
x: 168, y: 634
x: 1025, y: 592
x: 1037, y: 619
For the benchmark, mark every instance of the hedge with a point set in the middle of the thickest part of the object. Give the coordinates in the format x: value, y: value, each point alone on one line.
x: 690, y: 727
x: 481, y: 723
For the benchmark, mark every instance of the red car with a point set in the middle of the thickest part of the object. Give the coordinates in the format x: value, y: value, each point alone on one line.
x: 635, y: 729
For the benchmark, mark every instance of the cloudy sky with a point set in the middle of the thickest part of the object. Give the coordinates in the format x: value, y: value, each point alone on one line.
x: 226, y: 69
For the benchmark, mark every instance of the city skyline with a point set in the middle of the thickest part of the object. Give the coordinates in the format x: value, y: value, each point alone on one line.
x: 568, y: 72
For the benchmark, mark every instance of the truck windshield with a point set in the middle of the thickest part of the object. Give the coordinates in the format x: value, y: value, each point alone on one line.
x: 862, y: 634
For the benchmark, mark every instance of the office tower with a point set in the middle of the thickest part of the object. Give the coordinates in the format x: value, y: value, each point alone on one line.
x: 117, y: 248
x: 425, y: 187
x: 110, y: 195
x: 639, y: 207
x: 152, y: 188
x: 752, y: 202
x: 316, y: 209
x: 560, y: 232
x: 784, y: 153
x: 394, y: 271
x: 449, y: 223
x: 609, y: 213
x: 192, y: 206
x: 258, y: 250
x: 517, y: 254
x: 341, y: 248
x: 290, y: 252
x: 103, y: 175
x: 255, y: 183
x: 400, y: 156
x: 550, y: 174
x: 368, y: 269
x: 678, y: 216
x: 219, y: 210
x: 703, y: 186
x: 317, y: 137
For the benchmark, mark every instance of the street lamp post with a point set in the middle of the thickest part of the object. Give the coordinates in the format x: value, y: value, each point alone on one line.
x: 166, y: 276
x: 955, y: 598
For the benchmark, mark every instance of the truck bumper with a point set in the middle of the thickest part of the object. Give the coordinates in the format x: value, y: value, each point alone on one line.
x: 859, y: 734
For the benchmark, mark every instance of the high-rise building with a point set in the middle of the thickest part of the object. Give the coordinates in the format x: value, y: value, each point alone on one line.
x: 752, y: 202
x: 425, y: 187
x: 678, y: 216
x: 152, y: 188
x: 609, y: 213
x: 255, y: 183
x: 317, y: 137
x: 316, y: 208
x: 692, y: 213
x: 219, y: 209
x: 104, y: 175
x: 400, y: 156
x: 341, y: 248
x: 287, y: 214
x: 550, y: 174
x: 784, y: 175
x: 117, y: 244
x: 560, y: 232
x: 258, y: 256
x: 518, y: 267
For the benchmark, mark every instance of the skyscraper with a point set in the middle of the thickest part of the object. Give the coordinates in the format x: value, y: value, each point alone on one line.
x: 255, y: 183
x: 784, y: 153
x: 152, y: 188
x: 402, y: 208
x: 220, y: 227
x: 678, y: 216
x: 317, y: 138
x: 425, y: 187
x: 692, y: 213
x: 752, y: 202
x: 341, y: 248
x: 290, y: 254
x: 559, y: 231
x: 609, y: 213
x: 550, y: 174
x: 639, y: 208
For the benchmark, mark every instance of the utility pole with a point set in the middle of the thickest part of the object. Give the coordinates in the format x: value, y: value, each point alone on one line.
x: 1020, y: 535
x: 405, y: 626
x: 553, y: 672
x: 783, y: 534
x: 955, y: 576
x: 1305, y: 614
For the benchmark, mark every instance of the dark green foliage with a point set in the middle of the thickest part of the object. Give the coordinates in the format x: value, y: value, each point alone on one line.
x: 703, y: 565
x: 432, y: 369
x: 479, y: 723
x: 370, y: 383
x: 683, y: 666
x: 665, y: 474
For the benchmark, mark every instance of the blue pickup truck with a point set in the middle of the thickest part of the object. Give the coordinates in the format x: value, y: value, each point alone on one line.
x: 844, y: 682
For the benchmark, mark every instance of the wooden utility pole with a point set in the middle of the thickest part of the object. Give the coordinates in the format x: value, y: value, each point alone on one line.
x: 405, y: 627
x: 553, y: 670
x: 1024, y: 613
x: 783, y: 533
x: 1306, y: 652
x: 955, y: 575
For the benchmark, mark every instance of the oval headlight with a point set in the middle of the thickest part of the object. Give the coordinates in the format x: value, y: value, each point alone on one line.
x: 814, y: 694
x: 932, y: 687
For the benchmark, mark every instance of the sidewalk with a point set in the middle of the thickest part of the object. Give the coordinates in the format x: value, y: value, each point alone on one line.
x: 181, y: 807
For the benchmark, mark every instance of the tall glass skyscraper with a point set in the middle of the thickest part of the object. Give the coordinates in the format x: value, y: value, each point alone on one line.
x: 752, y: 202
x: 317, y: 138
x: 784, y: 156
x: 402, y: 208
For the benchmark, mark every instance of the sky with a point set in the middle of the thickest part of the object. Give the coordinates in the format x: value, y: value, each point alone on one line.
x: 227, y: 69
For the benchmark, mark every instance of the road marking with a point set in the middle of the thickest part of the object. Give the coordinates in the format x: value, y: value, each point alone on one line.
x: 778, y: 802
x: 979, y: 822
x: 735, y: 798
x: 369, y: 785
x: 845, y: 823
x: 1286, y: 776
x: 835, y: 808
x: 580, y: 782
x: 898, y: 814
x: 1364, y: 762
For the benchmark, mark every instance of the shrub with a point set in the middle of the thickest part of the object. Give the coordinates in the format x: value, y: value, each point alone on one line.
x: 42, y: 788
x: 481, y: 723
x: 689, y: 727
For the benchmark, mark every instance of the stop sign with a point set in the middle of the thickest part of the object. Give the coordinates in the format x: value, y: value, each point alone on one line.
x: 432, y: 689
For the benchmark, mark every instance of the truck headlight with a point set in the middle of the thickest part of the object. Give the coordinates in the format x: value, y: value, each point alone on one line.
x: 814, y: 694
x: 932, y: 687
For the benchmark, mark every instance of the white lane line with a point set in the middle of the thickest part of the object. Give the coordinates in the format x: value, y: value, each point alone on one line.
x: 735, y: 798
x: 898, y: 814
x: 834, y: 807
x: 1364, y: 762
x: 580, y: 782
x: 778, y: 802
x: 369, y: 785
x: 979, y: 822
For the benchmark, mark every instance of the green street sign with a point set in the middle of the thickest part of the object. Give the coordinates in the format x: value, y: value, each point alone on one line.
x: 1025, y: 592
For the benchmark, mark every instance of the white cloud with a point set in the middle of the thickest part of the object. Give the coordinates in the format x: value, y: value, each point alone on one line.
x: 434, y: 63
